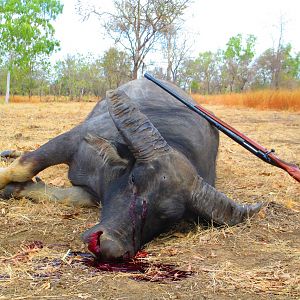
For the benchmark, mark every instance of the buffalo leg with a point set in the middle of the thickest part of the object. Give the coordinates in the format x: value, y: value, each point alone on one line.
x: 57, y: 151
x: 36, y: 191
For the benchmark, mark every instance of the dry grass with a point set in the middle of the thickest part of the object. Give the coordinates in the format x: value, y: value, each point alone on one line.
x: 48, y: 98
x: 288, y: 100
x: 263, y: 100
x: 259, y: 259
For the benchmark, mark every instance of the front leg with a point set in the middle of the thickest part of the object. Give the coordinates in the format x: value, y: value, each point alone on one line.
x: 57, y: 151
x: 10, y: 154
x: 74, y: 195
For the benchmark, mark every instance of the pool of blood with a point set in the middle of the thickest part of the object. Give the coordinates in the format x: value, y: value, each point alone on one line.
x: 141, y: 269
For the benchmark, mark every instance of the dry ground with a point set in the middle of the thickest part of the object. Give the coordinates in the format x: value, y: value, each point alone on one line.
x: 256, y: 260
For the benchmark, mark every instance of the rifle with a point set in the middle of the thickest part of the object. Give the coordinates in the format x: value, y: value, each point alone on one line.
x: 261, y: 152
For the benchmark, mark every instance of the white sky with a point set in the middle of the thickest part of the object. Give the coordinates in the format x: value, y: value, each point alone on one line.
x: 209, y: 22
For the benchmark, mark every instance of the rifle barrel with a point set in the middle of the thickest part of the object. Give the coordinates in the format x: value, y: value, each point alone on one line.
x: 250, y: 145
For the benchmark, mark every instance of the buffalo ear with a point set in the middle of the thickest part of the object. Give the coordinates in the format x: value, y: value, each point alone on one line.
x: 106, y: 151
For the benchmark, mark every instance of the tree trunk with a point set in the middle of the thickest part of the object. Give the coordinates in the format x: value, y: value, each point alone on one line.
x: 135, y: 71
x: 136, y: 57
x: 169, y: 53
x: 7, y: 87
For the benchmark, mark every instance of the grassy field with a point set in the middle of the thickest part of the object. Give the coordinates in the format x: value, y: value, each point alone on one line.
x: 287, y: 100
x: 259, y: 259
x: 264, y: 100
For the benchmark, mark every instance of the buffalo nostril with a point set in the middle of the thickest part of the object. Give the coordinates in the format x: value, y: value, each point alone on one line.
x: 92, y: 238
x: 94, y: 242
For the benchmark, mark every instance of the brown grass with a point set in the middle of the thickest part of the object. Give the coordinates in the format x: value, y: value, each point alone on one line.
x: 255, y: 260
x: 262, y: 100
x: 49, y: 98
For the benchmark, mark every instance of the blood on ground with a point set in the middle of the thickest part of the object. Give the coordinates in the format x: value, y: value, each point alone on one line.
x: 141, y: 269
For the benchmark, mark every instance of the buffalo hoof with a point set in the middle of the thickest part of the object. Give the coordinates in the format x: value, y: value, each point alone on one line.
x: 10, y: 154
x: 12, y: 190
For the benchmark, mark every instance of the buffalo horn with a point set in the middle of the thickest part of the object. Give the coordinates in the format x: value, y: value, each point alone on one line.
x: 213, y: 205
x: 144, y: 140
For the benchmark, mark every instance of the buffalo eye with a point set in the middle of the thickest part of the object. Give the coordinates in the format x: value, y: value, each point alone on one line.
x: 132, y: 179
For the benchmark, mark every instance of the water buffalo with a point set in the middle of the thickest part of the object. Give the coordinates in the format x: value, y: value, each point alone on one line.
x: 145, y: 157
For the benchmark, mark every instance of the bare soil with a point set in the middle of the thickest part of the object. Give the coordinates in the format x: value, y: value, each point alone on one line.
x: 259, y: 259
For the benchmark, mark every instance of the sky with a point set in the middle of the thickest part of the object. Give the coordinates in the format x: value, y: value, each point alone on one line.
x: 210, y: 23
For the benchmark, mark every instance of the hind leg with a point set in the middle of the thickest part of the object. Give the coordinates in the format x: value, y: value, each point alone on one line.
x: 74, y: 195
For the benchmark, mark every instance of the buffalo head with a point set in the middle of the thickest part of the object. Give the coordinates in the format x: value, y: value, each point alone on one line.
x: 158, y: 189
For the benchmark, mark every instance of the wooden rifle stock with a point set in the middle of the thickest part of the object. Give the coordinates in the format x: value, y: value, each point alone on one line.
x: 266, y: 155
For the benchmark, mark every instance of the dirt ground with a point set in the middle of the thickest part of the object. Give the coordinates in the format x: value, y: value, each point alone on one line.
x: 259, y: 259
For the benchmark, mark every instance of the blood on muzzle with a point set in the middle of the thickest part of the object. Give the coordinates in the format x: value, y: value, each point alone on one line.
x: 94, y: 243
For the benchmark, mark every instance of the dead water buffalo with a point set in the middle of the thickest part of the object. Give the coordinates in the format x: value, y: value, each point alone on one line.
x: 145, y: 157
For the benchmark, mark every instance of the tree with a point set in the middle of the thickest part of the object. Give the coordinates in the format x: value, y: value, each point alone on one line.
x: 206, y: 65
x: 270, y: 71
x: 238, y: 57
x: 26, y: 32
x: 137, y: 25
x: 186, y: 75
x: 73, y: 78
x: 116, y: 67
x: 176, y: 49
x: 278, y: 67
x: 77, y: 76
x: 277, y: 56
x: 263, y: 69
x: 291, y: 65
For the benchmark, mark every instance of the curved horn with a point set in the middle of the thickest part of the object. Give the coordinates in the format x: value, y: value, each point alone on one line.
x: 213, y: 205
x: 144, y: 140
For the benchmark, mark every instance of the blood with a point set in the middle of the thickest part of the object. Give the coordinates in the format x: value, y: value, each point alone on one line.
x: 143, y: 216
x: 133, y: 217
x: 141, y: 269
x: 32, y: 245
x: 94, y: 242
x: 132, y: 214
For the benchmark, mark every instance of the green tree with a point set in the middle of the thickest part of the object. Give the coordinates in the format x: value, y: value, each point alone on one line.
x: 71, y: 76
x: 238, y: 58
x: 116, y: 67
x: 26, y: 32
x: 277, y: 68
x: 207, y: 70
x: 77, y: 76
